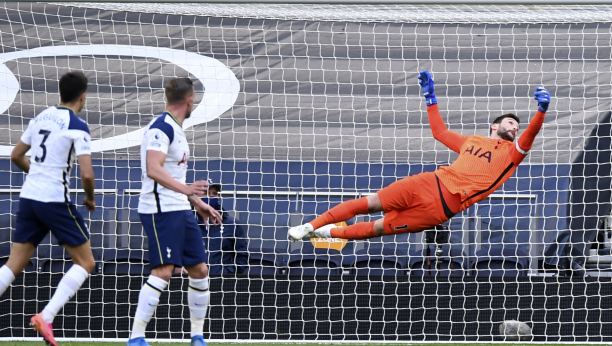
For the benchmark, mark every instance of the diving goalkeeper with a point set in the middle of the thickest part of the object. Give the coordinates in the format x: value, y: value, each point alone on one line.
x: 425, y: 200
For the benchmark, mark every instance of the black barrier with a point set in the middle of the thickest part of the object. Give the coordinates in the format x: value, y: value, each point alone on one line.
x: 327, y: 308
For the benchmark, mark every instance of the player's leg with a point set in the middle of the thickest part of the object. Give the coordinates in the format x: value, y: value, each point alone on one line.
x: 29, y: 232
x: 68, y: 226
x: 198, y: 297
x: 83, y: 264
x: 396, y: 222
x: 148, y: 299
x: 18, y: 260
x: 398, y: 195
x: 342, y: 212
x: 411, y: 205
x: 165, y: 232
x: 347, y: 210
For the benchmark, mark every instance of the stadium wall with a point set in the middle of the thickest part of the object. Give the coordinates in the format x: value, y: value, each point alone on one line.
x: 549, y: 182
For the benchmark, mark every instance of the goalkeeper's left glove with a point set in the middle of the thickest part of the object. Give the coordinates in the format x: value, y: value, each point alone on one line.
x: 543, y: 97
x: 427, y: 85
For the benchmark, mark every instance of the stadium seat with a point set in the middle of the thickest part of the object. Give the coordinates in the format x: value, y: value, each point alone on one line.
x: 422, y: 264
x: 500, y: 260
x: 349, y: 255
x: 126, y: 262
x: 314, y: 261
x: 266, y: 235
x: 5, y: 252
x: 380, y: 260
x: 267, y: 245
x: 59, y: 261
x: 265, y: 261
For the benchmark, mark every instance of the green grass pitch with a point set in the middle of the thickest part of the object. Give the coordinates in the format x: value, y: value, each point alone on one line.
x: 40, y: 343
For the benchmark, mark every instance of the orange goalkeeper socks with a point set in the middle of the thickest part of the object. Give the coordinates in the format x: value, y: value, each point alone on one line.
x: 341, y: 212
x: 360, y: 230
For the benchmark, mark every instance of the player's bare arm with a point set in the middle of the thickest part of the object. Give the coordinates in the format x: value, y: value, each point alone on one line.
x: 18, y: 156
x: 208, y: 213
x: 88, y: 181
x: 156, y: 171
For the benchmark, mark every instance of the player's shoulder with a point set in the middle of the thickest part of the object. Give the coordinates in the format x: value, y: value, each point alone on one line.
x: 166, y: 124
x: 74, y: 122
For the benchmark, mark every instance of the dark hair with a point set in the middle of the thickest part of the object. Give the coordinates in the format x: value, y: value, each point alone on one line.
x: 72, y: 85
x: 500, y: 118
x: 178, y: 89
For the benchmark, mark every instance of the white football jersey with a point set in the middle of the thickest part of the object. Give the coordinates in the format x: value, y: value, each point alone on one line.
x: 56, y: 136
x: 164, y: 134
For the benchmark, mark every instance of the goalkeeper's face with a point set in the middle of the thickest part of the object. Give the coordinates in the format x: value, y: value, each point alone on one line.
x: 507, y: 129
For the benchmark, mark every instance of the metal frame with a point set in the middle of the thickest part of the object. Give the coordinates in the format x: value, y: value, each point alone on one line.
x: 535, y: 236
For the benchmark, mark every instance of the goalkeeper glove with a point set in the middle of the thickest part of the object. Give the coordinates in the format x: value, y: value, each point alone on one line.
x: 543, y: 97
x: 427, y: 85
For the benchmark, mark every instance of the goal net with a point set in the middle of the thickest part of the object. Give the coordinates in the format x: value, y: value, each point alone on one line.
x: 298, y: 108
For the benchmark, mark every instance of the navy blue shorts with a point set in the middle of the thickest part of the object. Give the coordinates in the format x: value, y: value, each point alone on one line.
x: 174, y: 238
x: 35, y: 219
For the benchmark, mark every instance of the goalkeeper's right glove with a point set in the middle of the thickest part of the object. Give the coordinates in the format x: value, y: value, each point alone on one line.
x: 427, y: 85
x: 543, y: 97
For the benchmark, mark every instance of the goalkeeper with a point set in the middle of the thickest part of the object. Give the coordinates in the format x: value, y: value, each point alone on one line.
x: 428, y: 199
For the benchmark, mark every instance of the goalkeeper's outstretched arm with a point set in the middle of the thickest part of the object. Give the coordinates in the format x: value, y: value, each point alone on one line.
x: 525, y: 141
x: 451, y: 139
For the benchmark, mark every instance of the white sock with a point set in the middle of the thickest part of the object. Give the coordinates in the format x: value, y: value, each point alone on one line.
x: 147, y: 302
x: 198, y: 298
x: 325, y: 231
x: 6, y: 278
x: 66, y: 288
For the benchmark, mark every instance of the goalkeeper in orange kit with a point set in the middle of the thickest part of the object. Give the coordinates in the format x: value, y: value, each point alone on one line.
x: 425, y: 200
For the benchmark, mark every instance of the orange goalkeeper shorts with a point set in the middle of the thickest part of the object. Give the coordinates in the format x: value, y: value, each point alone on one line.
x: 416, y: 203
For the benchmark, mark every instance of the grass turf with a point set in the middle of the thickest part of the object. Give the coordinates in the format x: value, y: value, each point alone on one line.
x: 40, y: 343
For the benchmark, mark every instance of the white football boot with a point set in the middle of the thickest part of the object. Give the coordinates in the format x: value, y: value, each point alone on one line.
x: 305, y: 232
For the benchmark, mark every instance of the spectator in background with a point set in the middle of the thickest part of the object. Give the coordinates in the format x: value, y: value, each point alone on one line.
x: 226, y: 244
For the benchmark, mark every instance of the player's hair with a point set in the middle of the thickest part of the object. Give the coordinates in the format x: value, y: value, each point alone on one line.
x: 178, y: 89
x: 500, y: 118
x: 72, y: 85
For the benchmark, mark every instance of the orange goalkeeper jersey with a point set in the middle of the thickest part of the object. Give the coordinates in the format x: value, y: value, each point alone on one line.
x: 484, y: 164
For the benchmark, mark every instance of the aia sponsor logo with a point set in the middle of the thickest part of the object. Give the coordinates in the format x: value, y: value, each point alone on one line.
x: 479, y: 153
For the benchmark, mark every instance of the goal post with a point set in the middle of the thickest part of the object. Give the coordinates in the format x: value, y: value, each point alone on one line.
x: 300, y: 106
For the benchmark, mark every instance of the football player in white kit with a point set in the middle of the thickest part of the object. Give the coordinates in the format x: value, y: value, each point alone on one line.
x: 165, y: 211
x: 55, y: 136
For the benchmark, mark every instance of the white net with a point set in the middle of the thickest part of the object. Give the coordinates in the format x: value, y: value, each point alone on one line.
x: 299, y: 108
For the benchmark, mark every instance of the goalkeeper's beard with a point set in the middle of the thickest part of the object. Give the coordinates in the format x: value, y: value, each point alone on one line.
x: 505, y: 134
